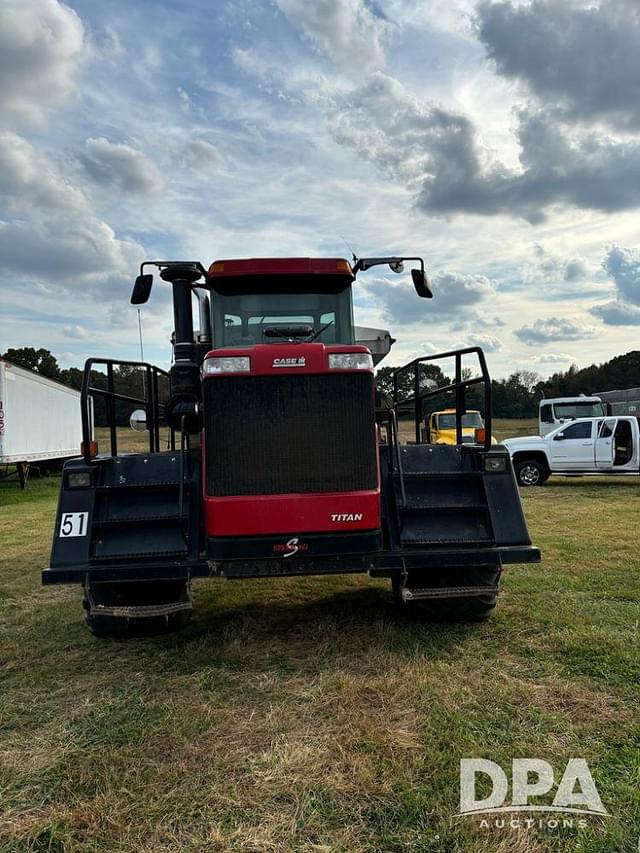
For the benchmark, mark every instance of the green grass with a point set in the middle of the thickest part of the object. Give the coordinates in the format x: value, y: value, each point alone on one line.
x: 307, y: 714
x: 129, y: 440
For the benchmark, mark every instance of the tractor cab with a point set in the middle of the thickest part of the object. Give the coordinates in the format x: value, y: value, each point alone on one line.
x: 272, y: 301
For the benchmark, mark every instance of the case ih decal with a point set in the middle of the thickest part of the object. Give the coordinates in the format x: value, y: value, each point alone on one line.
x: 290, y: 362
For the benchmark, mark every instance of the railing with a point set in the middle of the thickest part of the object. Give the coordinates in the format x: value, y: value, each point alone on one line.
x: 154, y: 409
x: 459, y: 387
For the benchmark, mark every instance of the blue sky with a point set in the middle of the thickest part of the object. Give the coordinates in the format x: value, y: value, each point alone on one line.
x: 498, y: 139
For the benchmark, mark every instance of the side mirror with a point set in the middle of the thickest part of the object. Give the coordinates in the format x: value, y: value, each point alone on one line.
x: 559, y: 437
x: 421, y: 284
x: 141, y: 289
x: 138, y: 420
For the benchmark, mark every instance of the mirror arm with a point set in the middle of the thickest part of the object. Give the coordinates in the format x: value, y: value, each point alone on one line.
x: 363, y: 264
x: 161, y: 264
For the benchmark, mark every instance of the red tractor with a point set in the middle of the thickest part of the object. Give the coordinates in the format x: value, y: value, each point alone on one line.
x: 282, y: 459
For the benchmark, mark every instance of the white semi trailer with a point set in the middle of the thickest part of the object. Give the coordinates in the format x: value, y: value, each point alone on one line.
x: 39, y: 420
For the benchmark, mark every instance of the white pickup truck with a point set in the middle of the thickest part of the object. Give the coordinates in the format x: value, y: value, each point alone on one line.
x: 603, y: 445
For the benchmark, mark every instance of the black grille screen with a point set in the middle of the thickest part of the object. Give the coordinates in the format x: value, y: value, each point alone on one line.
x: 290, y: 433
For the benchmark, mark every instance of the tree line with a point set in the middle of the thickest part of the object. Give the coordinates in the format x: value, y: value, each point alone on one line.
x: 516, y: 396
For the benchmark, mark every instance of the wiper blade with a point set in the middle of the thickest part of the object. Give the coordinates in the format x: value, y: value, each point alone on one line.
x: 287, y: 331
x: 320, y: 331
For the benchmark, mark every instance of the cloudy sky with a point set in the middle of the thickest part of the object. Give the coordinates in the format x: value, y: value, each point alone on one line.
x: 500, y: 139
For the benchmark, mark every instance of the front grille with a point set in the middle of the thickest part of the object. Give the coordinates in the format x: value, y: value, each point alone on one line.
x: 302, y: 432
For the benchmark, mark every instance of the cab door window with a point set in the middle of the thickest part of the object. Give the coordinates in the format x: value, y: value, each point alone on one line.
x: 546, y: 414
x: 606, y: 429
x: 578, y: 431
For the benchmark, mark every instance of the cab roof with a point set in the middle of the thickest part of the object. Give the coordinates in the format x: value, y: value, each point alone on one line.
x: 581, y: 399
x: 245, y: 267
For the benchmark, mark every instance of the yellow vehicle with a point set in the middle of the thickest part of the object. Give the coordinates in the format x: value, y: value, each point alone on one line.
x: 441, y: 427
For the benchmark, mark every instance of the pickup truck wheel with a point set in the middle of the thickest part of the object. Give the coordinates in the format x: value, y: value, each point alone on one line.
x: 530, y: 472
x: 462, y: 608
x: 159, y: 594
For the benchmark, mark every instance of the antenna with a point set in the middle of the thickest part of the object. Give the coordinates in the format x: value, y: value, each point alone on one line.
x: 350, y: 248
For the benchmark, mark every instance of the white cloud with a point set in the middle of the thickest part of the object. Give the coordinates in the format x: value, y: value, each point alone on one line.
x: 120, y: 166
x: 438, y: 155
x: 348, y: 31
x: 489, y: 343
x: 617, y: 313
x: 453, y: 293
x: 52, y: 233
x: 553, y: 358
x: 76, y: 332
x: 42, y: 43
x: 550, y: 268
x: 199, y: 155
x: 72, y: 251
x: 583, y: 57
x: 623, y: 267
x: 426, y: 348
x: 553, y: 329
x: 28, y: 180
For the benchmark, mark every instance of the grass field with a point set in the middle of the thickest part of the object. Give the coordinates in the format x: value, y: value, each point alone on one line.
x: 129, y: 441
x: 502, y: 428
x: 308, y: 714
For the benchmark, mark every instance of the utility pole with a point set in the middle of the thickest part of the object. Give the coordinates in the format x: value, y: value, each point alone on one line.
x: 144, y: 384
x: 140, y: 335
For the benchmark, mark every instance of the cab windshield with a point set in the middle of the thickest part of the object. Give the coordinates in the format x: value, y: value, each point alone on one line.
x: 578, y: 410
x: 469, y: 421
x: 244, y: 319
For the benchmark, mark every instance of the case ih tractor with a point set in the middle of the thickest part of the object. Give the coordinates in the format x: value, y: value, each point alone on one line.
x: 282, y: 459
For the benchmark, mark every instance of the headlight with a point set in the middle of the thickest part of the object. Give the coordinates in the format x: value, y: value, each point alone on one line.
x: 227, y: 364
x: 495, y: 464
x: 350, y: 361
x: 79, y: 480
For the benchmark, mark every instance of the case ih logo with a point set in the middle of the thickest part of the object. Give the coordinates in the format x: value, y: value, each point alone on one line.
x: 1, y: 418
x: 289, y: 362
x: 288, y: 549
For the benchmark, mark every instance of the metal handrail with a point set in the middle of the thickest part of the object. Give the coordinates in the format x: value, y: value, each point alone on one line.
x: 459, y: 386
x: 154, y: 410
x: 396, y: 446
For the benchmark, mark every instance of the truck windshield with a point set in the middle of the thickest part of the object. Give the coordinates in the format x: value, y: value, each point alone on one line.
x: 240, y: 319
x: 470, y: 421
x: 578, y: 410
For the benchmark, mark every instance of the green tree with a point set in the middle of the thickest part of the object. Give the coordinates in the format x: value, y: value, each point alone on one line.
x: 72, y: 376
x: 621, y: 372
x: 38, y: 360
x: 516, y: 396
x: 406, y: 380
